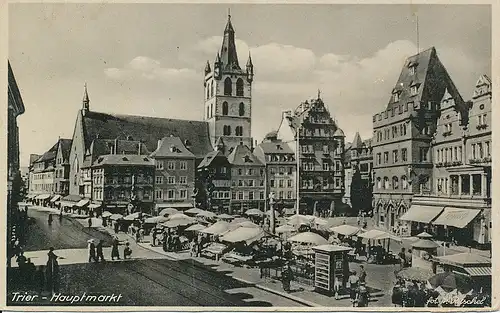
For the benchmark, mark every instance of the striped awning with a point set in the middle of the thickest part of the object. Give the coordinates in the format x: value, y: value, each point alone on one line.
x: 456, y: 217
x: 55, y: 198
x: 478, y: 271
x: 422, y: 213
x: 82, y: 203
x: 67, y: 203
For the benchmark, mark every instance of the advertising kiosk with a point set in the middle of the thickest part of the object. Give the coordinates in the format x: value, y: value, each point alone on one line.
x: 331, y: 268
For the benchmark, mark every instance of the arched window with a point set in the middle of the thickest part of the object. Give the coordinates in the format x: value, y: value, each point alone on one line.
x: 211, y: 109
x: 214, y: 88
x: 225, y: 108
x: 395, y: 182
x: 404, y: 182
x: 386, y: 183
x: 228, y: 87
x: 209, y: 90
x: 239, y: 87
x: 242, y: 109
x: 208, y: 111
x: 404, y: 129
x: 227, y: 130
x: 239, y: 130
x: 379, y: 183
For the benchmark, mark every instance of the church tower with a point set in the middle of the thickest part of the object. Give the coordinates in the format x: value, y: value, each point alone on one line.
x: 228, y: 96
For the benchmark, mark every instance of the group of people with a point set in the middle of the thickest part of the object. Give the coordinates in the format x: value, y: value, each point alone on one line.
x: 405, y: 258
x: 96, y: 251
x: 356, y: 285
x: 41, y: 278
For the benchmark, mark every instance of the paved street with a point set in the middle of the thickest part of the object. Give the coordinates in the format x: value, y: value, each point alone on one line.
x: 149, y: 279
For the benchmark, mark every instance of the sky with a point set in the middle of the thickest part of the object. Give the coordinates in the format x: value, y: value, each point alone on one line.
x: 148, y: 59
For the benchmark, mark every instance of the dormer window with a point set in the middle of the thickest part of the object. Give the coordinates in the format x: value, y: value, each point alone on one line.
x: 396, y: 96
x: 247, y: 159
x: 412, y: 66
x: 412, y: 70
x: 414, y: 89
x: 124, y: 159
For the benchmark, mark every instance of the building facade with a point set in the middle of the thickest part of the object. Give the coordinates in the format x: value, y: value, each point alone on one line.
x: 122, y: 179
x: 458, y: 204
x: 175, y: 171
x: 213, y: 183
x: 321, y: 147
x: 247, y: 180
x: 402, y: 136
x: 228, y: 95
x: 280, y: 170
x: 61, y: 171
x: 42, y: 175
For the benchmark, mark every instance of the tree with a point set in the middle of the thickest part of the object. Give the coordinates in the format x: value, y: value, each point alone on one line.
x: 357, y: 191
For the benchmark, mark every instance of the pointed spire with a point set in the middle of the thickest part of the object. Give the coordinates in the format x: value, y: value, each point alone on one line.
x: 207, y: 68
x: 86, y: 100
x: 249, y: 62
x: 357, y: 143
x: 228, y: 54
x: 217, y: 58
x: 319, y: 94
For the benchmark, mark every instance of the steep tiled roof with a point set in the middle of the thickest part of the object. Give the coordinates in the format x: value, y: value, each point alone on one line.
x: 147, y: 129
x: 357, y: 143
x: 210, y: 157
x: 429, y: 76
x: 123, y: 159
x: 50, y: 154
x: 276, y: 147
x: 13, y: 92
x: 65, y: 147
x: 172, y: 147
x: 241, y: 155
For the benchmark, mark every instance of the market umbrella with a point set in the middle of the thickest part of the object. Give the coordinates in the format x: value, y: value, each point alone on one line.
x: 207, y: 214
x: 115, y: 216
x: 452, y: 280
x: 239, y: 220
x: 248, y: 224
x: 168, y: 211
x: 106, y: 214
x: 298, y: 220
x: 424, y: 235
x: 196, y: 227
x: 415, y: 273
x: 254, y: 212
x: 346, y: 230
x: 217, y: 229
x: 225, y: 216
x: 309, y: 237
x: 319, y: 221
x: 194, y: 211
x: 134, y: 216
x: 178, y: 222
x: 179, y: 216
x: 276, y: 213
x: 285, y: 229
x: 246, y: 234
x: 155, y: 219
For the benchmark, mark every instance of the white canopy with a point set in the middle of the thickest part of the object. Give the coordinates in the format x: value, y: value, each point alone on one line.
x: 115, y: 216
x: 134, y: 216
x: 178, y: 222
x: 225, y: 216
x: 195, y: 227
x: 179, y: 216
x: 217, y: 229
x: 245, y: 234
x: 297, y: 220
x: 285, y: 229
x: 156, y: 219
x: 309, y: 237
x: 346, y: 230
x: 168, y: 211
x: 194, y: 211
x: 255, y: 212
x: 207, y: 214
x: 378, y: 235
x: 106, y: 214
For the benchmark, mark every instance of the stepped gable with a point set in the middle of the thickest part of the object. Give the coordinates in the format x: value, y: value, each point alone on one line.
x: 243, y: 156
x: 430, y: 77
x: 146, y: 129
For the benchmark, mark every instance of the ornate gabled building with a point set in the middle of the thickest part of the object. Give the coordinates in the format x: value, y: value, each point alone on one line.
x: 213, y: 183
x: 458, y: 204
x: 402, y: 135
x: 228, y: 96
x: 311, y: 130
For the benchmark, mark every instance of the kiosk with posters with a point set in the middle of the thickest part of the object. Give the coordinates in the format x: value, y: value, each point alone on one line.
x: 331, y: 268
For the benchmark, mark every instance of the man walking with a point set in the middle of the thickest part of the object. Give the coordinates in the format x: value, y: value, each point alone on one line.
x: 92, y: 256
x: 100, y: 255
x: 114, y: 249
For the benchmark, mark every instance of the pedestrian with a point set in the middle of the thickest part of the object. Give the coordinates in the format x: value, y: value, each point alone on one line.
x: 30, y: 269
x: 408, y: 258
x: 90, y: 222
x: 362, y: 275
x: 153, y: 235
x: 402, y: 258
x: 60, y: 217
x: 193, y: 248
x: 52, y: 273
x: 100, y: 255
x: 92, y: 252
x: 137, y: 236
x: 127, y: 252
x: 50, y: 219
x: 21, y: 261
x: 363, y: 296
x: 116, y: 227
x: 286, y: 277
x: 40, y: 279
x: 352, y: 285
x: 114, y: 249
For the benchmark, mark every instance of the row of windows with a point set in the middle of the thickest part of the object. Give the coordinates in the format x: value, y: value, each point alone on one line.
x: 241, y: 109
x: 395, y: 184
x: 42, y: 176
x: 124, y: 194
x: 220, y: 195
x: 281, y: 170
x: 404, y: 108
x: 226, y: 130
x: 281, y: 183
x: 449, y: 154
x: 320, y: 183
x: 316, y: 132
x: 480, y: 150
x: 395, y: 131
x: 248, y: 171
x: 228, y: 88
x: 247, y: 195
x: 280, y: 157
x: 98, y: 192
x: 247, y: 183
x: 171, y: 180
x: 171, y: 194
x: 170, y: 165
x: 461, y: 185
x: 42, y: 187
x: 423, y: 157
x: 326, y: 166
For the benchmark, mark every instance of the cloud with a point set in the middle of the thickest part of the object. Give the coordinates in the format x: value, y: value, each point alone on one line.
x: 143, y: 67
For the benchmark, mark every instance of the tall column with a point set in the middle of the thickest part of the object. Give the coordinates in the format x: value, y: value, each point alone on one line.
x: 484, y: 184
x: 459, y: 185
x: 471, y: 185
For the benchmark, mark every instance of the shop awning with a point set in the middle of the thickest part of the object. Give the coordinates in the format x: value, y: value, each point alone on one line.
x: 179, y: 205
x: 55, y: 198
x: 94, y: 205
x: 82, y: 203
x: 67, y: 203
x: 456, y: 217
x: 43, y: 197
x: 422, y: 213
x: 478, y: 271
